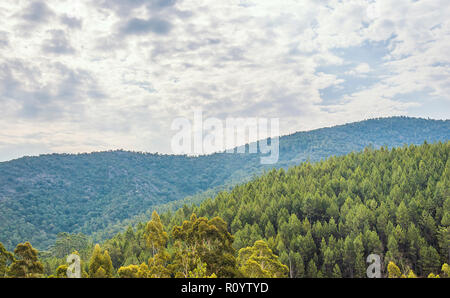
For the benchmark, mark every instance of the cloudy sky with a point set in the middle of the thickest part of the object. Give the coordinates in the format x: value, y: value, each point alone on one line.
x: 91, y: 75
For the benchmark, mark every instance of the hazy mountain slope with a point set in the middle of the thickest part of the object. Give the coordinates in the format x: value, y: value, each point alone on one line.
x: 41, y: 196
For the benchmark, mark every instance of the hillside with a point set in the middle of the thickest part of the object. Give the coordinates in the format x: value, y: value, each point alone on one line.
x: 42, y: 196
x: 324, y: 219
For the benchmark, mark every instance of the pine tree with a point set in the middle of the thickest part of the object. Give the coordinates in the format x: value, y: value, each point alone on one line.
x: 337, y: 272
x: 312, y: 269
x: 429, y: 260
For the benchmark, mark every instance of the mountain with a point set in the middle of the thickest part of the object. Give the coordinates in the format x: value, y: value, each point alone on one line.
x: 42, y: 196
x: 319, y: 219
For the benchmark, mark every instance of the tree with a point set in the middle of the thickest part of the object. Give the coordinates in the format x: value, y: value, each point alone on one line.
x: 393, y: 270
x: 360, y: 264
x: 445, y: 270
x: 200, y: 272
x: 294, y: 262
x: 156, y: 235
x: 402, y: 216
x: 143, y: 271
x: 328, y: 262
x: 312, y: 269
x: 183, y: 260
x: 337, y: 272
x: 130, y: 271
x: 158, y: 265
x: 100, y: 273
x: 429, y: 260
x: 411, y: 274
x: 208, y: 240
x: 66, y: 243
x: 5, y: 258
x: 26, y: 262
x: 259, y: 261
x: 61, y: 271
x: 100, y: 265
x: 134, y: 271
x: 321, y: 219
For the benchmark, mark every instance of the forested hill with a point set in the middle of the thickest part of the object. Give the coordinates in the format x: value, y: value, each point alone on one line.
x: 41, y: 196
x: 313, y: 220
x: 324, y: 219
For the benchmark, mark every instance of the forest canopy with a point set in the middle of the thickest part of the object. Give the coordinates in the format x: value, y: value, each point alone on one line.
x: 101, y: 193
x: 313, y: 220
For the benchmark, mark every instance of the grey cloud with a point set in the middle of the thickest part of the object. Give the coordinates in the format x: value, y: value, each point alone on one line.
x: 137, y: 26
x: 76, y: 82
x: 160, y: 14
x: 158, y: 4
x: 71, y: 22
x: 233, y: 54
x: 124, y: 7
x: 194, y: 45
x: 4, y: 40
x: 37, y: 12
x: 21, y: 87
x: 13, y: 89
x: 58, y: 43
x: 109, y: 43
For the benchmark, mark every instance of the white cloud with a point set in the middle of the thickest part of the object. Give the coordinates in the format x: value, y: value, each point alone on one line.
x: 360, y: 70
x: 90, y: 75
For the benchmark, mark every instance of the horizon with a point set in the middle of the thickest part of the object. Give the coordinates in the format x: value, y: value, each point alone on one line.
x: 219, y: 152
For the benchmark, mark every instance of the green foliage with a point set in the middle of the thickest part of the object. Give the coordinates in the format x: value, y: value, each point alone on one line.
x: 100, y: 265
x: 394, y: 271
x: 130, y: 271
x: 5, y: 258
x: 207, y: 240
x: 445, y: 270
x: 156, y: 236
x: 200, y: 272
x: 26, y: 262
x: 259, y: 261
x: 338, y: 211
x: 102, y: 193
x: 61, y: 271
x: 66, y: 243
x: 134, y: 271
x: 321, y: 219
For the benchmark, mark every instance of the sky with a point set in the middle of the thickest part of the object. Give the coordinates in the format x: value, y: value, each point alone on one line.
x: 94, y: 75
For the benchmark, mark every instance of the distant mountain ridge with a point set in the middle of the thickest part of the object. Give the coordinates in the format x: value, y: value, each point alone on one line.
x: 42, y: 196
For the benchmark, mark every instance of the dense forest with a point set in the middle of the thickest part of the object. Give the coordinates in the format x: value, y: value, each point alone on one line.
x: 313, y: 220
x: 99, y: 194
